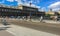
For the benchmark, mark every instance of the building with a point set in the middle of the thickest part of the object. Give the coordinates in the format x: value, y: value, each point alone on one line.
x: 58, y: 15
x: 20, y: 10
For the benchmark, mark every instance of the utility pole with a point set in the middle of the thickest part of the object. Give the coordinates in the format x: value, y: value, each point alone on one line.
x: 30, y: 10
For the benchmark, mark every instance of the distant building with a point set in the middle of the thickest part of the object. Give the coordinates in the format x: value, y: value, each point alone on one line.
x: 50, y: 12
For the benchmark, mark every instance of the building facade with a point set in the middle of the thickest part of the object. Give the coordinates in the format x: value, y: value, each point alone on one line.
x: 20, y: 11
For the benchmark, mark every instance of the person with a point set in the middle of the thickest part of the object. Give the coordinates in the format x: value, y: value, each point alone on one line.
x: 41, y: 18
x: 23, y: 17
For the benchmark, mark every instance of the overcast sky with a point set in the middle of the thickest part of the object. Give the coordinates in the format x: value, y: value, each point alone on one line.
x: 43, y: 4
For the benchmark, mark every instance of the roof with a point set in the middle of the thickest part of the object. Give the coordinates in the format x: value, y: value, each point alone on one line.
x: 28, y: 6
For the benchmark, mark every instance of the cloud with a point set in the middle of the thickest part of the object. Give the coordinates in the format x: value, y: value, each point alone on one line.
x: 56, y: 9
x: 37, y: 1
x: 43, y: 9
x: 38, y: 7
x: 11, y: 0
x: 55, y: 6
x: 31, y: 1
x: 32, y: 5
x: 15, y: 0
x: 25, y: 0
x: 19, y: 2
x: 27, y: 3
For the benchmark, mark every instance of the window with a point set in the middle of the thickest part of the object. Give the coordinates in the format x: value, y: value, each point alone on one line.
x: 5, y: 10
x: 2, y: 9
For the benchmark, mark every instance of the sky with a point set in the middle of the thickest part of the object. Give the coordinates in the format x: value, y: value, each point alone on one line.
x: 43, y: 5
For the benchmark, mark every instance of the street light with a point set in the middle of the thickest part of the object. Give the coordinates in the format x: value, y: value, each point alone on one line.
x: 30, y: 10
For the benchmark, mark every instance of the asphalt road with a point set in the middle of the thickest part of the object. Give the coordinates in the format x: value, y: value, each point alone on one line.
x: 50, y: 28
x: 25, y: 31
x: 5, y: 33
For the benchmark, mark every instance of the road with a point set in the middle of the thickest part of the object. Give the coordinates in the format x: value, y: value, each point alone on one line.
x: 52, y: 29
x: 49, y: 28
x: 25, y: 31
x: 3, y: 31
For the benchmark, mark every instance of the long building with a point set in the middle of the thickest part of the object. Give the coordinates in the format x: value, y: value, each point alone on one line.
x: 21, y: 10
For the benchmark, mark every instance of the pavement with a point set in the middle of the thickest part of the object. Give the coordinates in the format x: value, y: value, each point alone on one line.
x: 32, y: 20
x: 51, y: 21
x: 3, y: 31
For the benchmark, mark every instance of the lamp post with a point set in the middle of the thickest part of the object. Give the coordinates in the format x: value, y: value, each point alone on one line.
x: 30, y: 11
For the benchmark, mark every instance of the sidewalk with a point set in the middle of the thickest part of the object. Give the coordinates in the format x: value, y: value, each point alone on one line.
x: 32, y: 20
x: 51, y: 21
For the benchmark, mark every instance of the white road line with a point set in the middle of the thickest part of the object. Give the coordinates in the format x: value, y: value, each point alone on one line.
x: 11, y: 32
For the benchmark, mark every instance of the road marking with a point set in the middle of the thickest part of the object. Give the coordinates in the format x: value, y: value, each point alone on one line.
x: 11, y: 32
x: 27, y: 31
